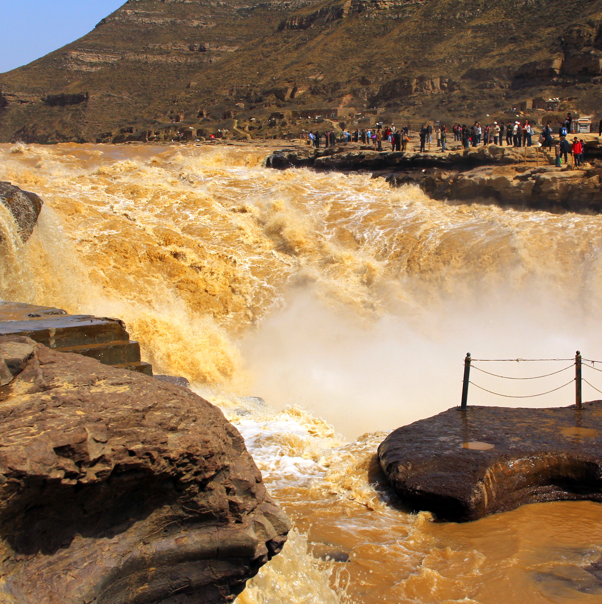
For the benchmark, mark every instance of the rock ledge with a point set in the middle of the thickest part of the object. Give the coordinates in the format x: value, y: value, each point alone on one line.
x: 463, y: 465
x: 117, y: 488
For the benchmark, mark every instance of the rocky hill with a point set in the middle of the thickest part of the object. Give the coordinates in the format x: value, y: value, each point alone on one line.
x: 203, y: 64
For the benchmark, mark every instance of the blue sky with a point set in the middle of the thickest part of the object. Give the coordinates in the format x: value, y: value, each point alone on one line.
x: 29, y: 29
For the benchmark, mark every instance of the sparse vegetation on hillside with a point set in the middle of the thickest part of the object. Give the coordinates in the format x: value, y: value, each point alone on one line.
x: 153, y: 67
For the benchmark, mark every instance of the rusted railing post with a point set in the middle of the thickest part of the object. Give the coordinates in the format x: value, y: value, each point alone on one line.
x: 466, y: 379
x: 578, y: 380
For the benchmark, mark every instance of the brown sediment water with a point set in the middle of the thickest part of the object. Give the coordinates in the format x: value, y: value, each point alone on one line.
x: 348, y: 307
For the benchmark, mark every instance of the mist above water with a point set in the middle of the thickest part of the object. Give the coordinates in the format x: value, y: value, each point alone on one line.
x: 338, y: 301
x: 378, y: 375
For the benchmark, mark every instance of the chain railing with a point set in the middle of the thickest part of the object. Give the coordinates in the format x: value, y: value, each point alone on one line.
x: 578, y: 363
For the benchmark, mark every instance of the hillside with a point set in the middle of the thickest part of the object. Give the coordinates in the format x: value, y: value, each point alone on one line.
x: 200, y: 63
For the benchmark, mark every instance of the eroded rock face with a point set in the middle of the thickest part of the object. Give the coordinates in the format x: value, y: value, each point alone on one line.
x: 115, y: 488
x: 540, y: 188
x: 463, y: 465
x: 25, y: 208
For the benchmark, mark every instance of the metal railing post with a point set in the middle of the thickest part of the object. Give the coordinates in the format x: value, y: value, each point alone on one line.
x: 466, y: 379
x: 578, y: 402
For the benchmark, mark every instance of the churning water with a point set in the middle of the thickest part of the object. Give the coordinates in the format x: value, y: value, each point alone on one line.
x: 348, y: 308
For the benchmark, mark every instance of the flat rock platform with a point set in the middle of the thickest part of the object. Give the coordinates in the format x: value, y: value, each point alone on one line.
x: 465, y: 464
x: 100, y: 338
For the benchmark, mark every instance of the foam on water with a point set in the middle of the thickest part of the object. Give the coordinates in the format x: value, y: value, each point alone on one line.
x: 347, y: 306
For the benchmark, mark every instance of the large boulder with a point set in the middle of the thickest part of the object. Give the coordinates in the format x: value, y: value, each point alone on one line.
x: 24, y: 206
x: 115, y: 488
x: 465, y: 464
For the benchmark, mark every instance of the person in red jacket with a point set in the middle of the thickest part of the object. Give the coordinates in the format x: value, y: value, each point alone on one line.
x: 577, y: 150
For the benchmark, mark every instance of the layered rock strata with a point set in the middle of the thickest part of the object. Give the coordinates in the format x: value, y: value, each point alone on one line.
x: 522, y: 187
x: 522, y: 178
x: 117, y: 488
x: 463, y: 465
x: 100, y: 338
x: 24, y: 207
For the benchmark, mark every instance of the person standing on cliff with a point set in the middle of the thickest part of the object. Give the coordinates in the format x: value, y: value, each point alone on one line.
x: 496, y: 133
x: 565, y: 149
x: 465, y: 136
x: 558, y: 159
x: 577, y: 148
x: 547, y: 135
x: 423, y: 138
x: 527, y: 133
x: 379, y: 139
x: 443, y: 137
x: 502, y: 132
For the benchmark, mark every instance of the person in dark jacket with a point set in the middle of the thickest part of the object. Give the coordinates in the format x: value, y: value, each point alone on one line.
x: 565, y: 149
x: 465, y: 136
x: 423, y: 138
x: 547, y: 135
x: 502, y: 132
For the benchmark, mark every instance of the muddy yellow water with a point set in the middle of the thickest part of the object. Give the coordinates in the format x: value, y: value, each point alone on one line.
x: 320, y: 311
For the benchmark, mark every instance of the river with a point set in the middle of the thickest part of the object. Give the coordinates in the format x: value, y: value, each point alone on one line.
x: 320, y: 311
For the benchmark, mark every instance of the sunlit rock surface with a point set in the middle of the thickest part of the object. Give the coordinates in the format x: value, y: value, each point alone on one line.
x: 463, y: 465
x: 115, y: 487
x: 25, y: 208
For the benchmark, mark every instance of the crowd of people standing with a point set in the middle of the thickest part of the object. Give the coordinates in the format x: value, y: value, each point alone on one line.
x: 513, y: 133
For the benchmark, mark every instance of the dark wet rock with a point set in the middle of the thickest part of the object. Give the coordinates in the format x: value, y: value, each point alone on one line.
x: 343, y: 159
x: 463, y: 465
x: 173, y: 379
x: 24, y: 206
x: 116, y: 487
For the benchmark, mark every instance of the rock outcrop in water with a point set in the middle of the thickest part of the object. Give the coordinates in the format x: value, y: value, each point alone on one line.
x: 463, y: 465
x: 24, y: 206
x: 524, y: 187
x: 521, y: 178
x: 115, y: 487
x: 343, y: 159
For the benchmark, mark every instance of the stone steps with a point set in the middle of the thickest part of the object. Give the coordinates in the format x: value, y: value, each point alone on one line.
x: 68, y: 330
x: 111, y: 353
x: 100, y: 338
